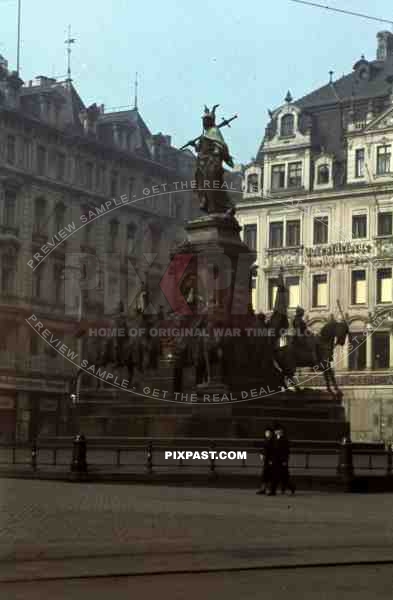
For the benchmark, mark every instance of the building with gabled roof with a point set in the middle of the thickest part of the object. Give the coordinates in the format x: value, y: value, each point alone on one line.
x: 76, y: 202
x: 318, y: 201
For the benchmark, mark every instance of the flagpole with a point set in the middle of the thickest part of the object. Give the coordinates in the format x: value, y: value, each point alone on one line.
x: 18, y: 43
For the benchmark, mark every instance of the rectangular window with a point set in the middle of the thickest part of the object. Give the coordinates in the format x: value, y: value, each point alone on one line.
x: 59, y: 283
x: 89, y: 175
x: 321, y: 230
x: 273, y: 287
x: 381, y: 349
x: 8, y: 268
x: 293, y: 286
x: 131, y: 186
x: 276, y: 232
x: 278, y: 177
x: 384, y: 286
x: 79, y: 172
x: 60, y: 166
x: 295, y: 175
x: 250, y: 236
x: 101, y: 179
x: 385, y: 223
x: 320, y: 291
x: 359, y: 226
x: 292, y: 233
x: 9, y: 208
x: 131, y: 237
x: 41, y: 160
x: 114, y: 183
x: 359, y: 162
x: 88, y: 230
x: 383, y: 159
x: 37, y: 281
x: 357, y: 356
x: 27, y: 153
x: 359, y: 287
x: 11, y: 149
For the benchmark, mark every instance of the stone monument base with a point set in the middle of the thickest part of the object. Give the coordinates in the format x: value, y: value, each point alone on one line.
x: 307, y: 415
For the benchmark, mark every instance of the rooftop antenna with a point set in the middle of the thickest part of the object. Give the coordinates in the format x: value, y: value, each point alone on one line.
x: 136, y: 91
x: 18, y: 42
x: 69, y: 41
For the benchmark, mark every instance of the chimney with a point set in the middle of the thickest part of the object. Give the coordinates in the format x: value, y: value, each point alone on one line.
x: 44, y: 81
x: 385, y: 45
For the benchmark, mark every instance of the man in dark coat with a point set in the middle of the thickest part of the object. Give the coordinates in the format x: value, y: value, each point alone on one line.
x: 267, y: 457
x: 281, y: 460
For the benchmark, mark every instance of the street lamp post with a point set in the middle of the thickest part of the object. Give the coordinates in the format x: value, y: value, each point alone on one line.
x: 78, y: 463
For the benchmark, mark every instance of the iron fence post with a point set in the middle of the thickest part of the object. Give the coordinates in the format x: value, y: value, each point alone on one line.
x: 149, y: 464
x: 79, y: 455
x: 212, y: 472
x: 346, y: 470
x: 34, y: 457
x: 389, y: 462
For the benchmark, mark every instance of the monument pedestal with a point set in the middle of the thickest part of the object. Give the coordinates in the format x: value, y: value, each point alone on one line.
x: 213, y: 266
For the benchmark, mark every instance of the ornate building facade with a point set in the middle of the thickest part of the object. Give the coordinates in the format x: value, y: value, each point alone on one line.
x: 67, y: 174
x: 318, y: 200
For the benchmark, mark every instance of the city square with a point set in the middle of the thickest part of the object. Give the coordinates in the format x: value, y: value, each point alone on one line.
x: 196, y: 300
x: 51, y: 531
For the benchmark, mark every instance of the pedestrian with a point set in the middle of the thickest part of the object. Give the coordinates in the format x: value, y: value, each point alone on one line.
x: 281, y: 460
x: 266, y: 455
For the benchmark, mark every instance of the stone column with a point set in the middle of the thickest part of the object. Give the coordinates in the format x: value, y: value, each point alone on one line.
x: 369, y: 353
x: 345, y: 356
x: 391, y: 350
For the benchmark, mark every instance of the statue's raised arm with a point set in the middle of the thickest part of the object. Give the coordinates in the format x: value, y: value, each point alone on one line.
x: 212, y: 152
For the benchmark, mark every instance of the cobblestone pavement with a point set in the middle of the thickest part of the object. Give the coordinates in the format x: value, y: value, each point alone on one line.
x: 124, y: 529
x: 349, y: 583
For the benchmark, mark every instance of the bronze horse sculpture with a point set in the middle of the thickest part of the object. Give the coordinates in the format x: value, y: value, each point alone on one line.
x: 316, y: 352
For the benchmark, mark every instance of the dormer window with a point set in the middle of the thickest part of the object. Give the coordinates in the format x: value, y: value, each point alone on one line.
x: 323, y: 174
x: 252, y: 183
x: 287, y: 125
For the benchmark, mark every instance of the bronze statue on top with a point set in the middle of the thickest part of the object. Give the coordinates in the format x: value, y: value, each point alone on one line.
x: 212, y: 151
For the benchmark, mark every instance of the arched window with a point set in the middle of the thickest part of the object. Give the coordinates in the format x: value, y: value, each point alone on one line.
x: 252, y: 184
x: 323, y: 174
x: 287, y: 125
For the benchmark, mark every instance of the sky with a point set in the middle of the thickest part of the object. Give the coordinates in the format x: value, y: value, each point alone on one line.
x: 241, y: 55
